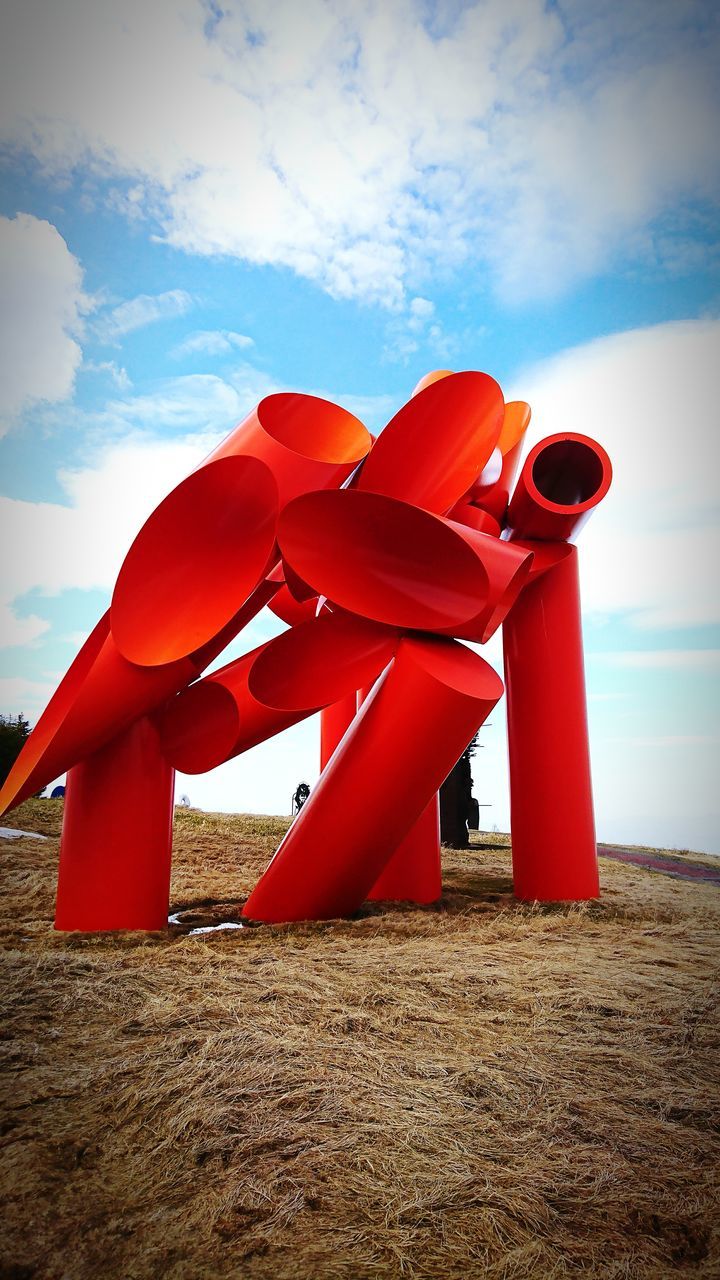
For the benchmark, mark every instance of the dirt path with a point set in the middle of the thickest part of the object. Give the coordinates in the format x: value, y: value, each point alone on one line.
x: 663, y: 862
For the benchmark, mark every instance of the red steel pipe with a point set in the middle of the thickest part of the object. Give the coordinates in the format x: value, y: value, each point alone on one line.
x: 552, y: 822
x: 101, y: 695
x: 271, y: 688
x: 199, y: 555
x: 383, y: 558
x: 334, y: 722
x: 563, y: 479
x: 492, y: 489
x: 307, y: 442
x: 414, y: 872
x: 406, y: 738
x: 435, y: 446
x: 116, y: 841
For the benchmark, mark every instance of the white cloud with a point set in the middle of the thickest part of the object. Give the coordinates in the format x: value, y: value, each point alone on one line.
x: 650, y: 396
x: 41, y: 316
x: 212, y: 342
x: 138, y: 312
x: 364, y: 146
x: 117, y: 375
x: 20, y: 696
x: 15, y: 630
x: 140, y: 448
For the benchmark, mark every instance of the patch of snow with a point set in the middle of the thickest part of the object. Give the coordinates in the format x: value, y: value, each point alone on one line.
x: 11, y: 833
x: 213, y: 928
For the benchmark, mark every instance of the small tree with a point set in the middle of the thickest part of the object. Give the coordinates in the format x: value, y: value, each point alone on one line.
x: 14, y: 732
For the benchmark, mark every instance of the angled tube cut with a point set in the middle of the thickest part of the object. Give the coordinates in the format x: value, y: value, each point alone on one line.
x: 563, y: 479
x: 101, y: 695
x: 270, y: 689
x: 196, y: 559
x: 383, y: 559
x: 307, y: 442
x: 437, y: 444
x: 407, y: 736
x: 492, y: 489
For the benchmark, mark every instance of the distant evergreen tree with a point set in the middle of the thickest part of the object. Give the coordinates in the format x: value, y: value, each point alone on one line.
x: 456, y: 799
x: 14, y: 732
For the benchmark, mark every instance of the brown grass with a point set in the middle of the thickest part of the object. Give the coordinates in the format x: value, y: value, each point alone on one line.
x: 474, y: 1089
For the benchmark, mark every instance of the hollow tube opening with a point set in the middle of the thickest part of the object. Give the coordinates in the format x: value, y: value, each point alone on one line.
x: 314, y: 428
x: 568, y: 473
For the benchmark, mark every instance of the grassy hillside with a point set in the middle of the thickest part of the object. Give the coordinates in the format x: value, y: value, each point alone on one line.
x: 477, y: 1088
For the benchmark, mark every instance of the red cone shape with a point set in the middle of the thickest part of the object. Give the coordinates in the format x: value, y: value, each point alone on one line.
x: 438, y: 443
x: 116, y: 840
x: 553, y: 830
x: 401, y: 746
x: 563, y: 479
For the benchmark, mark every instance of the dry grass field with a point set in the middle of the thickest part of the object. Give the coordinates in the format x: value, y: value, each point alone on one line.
x: 478, y: 1088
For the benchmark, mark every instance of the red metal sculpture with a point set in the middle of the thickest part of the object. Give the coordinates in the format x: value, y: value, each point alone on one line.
x: 382, y: 556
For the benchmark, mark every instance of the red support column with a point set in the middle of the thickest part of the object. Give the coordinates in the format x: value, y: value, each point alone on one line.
x: 414, y: 872
x: 116, y: 841
x: 401, y: 746
x: 553, y: 827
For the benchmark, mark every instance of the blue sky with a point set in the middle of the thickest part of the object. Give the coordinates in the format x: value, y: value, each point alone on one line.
x: 201, y: 204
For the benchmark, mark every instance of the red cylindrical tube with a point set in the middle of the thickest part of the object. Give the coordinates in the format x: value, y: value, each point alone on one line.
x: 563, y: 479
x: 435, y: 446
x: 196, y: 559
x: 285, y: 606
x: 404, y: 741
x: 334, y: 721
x: 273, y: 687
x: 100, y: 697
x: 492, y: 489
x: 115, y: 850
x: 384, y: 559
x: 553, y: 829
x: 307, y: 442
x: 414, y: 872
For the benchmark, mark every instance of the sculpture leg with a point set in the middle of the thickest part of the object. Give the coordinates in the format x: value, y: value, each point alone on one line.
x: 406, y: 738
x: 117, y: 836
x: 414, y: 873
x: 334, y: 720
x: 553, y: 828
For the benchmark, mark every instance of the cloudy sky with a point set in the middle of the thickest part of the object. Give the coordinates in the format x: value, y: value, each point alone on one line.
x: 203, y: 202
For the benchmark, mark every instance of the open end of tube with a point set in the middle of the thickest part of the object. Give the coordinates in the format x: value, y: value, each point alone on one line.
x: 383, y: 559
x: 194, y: 561
x: 52, y: 718
x: 568, y: 473
x: 314, y: 428
x: 319, y: 662
x: 199, y: 728
x: 454, y: 665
